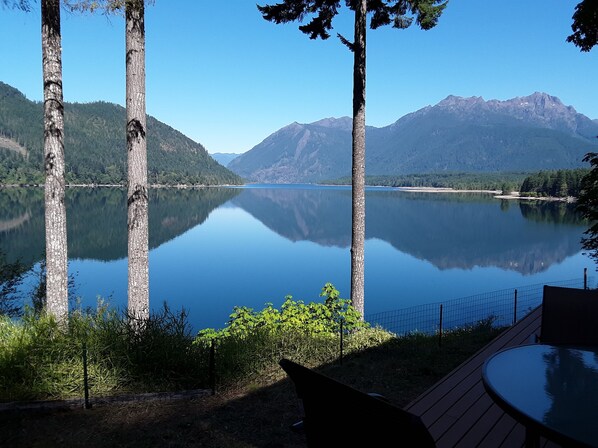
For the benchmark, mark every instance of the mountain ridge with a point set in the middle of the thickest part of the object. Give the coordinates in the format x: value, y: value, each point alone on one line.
x: 456, y: 135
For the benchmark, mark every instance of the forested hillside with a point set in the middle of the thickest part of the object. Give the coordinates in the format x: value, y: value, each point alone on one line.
x: 95, y: 146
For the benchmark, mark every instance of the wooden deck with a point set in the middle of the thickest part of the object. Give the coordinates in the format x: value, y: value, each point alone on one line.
x: 457, y: 410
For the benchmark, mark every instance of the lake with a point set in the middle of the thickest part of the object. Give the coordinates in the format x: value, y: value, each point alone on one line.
x: 214, y: 248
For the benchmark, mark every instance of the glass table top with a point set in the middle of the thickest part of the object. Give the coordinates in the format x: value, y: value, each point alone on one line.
x: 555, y: 387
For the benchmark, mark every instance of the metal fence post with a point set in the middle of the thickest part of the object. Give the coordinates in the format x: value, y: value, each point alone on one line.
x: 440, y: 328
x: 87, y: 404
x: 515, y: 309
x: 212, y: 367
x: 341, y: 348
x: 585, y: 278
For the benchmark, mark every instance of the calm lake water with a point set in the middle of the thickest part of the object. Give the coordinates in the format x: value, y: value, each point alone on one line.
x: 214, y: 248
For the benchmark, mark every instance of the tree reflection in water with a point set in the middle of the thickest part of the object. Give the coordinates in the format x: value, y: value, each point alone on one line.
x: 572, y: 386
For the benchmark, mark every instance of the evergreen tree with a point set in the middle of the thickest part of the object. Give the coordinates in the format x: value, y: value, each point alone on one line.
x: 560, y: 187
x: 585, y: 36
x: 585, y: 25
x: 399, y: 13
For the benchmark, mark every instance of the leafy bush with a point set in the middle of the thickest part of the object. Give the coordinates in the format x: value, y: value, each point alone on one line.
x: 308, y: 319
x: 249, y: 347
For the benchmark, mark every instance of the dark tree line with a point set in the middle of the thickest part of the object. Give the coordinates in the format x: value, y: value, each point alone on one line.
x: 458, y: 181
x: 558, y: 184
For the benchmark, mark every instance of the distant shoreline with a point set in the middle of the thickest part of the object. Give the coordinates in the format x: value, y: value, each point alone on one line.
x: 444, y: 190
x: 497, y: 193
x: 178, y: 186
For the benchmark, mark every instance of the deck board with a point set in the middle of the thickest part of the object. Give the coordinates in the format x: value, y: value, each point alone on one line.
x: 457, y: 410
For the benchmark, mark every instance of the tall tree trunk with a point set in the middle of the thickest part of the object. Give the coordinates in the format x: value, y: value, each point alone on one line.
x: 137, y: 194
x: 55, y: 210
x: 358, y: 167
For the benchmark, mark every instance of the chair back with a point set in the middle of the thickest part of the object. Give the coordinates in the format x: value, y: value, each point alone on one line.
x: 569, y: 316
x: 338, y: 415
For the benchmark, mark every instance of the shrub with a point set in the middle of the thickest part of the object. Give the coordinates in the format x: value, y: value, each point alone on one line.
x: 249, y: 347
x: 295, y: 316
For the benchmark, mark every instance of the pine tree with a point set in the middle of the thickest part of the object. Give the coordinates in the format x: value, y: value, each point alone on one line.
x: 585, y: 25
x: 398, y: 13
x: 585, y: 36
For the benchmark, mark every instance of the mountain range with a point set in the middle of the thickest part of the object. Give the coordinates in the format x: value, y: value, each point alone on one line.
x: 95, y: 146
x: 523, y: 134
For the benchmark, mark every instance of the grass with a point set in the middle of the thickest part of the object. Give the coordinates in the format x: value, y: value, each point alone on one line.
x: 255, y: 410
x: 41, y: 360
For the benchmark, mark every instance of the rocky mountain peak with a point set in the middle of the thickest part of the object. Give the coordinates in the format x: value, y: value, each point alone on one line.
x: 344, y: 123
x: 538, y: 103
x: 539, y: 109
x: 453, y: 101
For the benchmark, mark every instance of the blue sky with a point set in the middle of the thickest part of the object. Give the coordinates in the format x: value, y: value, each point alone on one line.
x: 225, y: 77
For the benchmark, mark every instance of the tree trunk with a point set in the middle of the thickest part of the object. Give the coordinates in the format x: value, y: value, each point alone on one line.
x: 55, y: 210
x: 358, y: 167
x: 137, y: 194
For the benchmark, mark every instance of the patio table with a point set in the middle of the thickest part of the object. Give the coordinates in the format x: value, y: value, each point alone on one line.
x: 551, y: 390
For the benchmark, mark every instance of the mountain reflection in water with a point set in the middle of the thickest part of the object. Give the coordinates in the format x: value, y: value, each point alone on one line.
x: 214, y: 248
x: 97, y: 219
x: 449, y: 230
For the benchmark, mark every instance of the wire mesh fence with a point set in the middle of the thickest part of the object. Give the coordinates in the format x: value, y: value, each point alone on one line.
x: 503, y: 307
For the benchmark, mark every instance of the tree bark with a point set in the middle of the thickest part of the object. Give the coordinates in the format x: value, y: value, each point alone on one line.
x: 55, y: 210
x: 137, y: 187
x: 358, y: 163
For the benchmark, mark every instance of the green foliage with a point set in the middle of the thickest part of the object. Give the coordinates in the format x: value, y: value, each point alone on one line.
x: 294, y: 316
x: 40, y: 359
x: 559, y: 184
x: 252, y: 343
